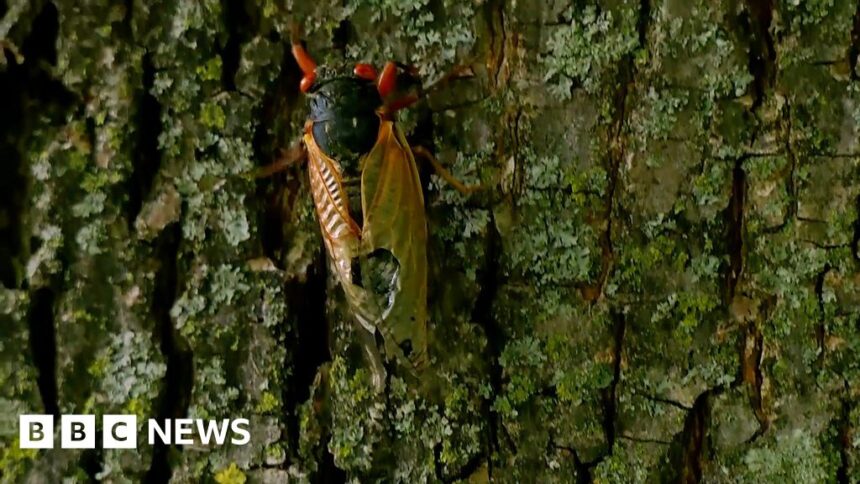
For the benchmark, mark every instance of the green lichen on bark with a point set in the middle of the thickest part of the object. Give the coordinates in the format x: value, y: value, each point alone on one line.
x: 660, y: 284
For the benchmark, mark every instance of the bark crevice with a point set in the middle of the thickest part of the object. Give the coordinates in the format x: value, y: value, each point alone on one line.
x: 146, y: 158
x: 341, y: 34
x: 821, y: 327
x: 310, y: 350
x: 178, y: 380
x: 688, y: 452
x: 583, y: 469
x: 844, y: 434
x: 490, y: 281
x: 735, y: 214
x: 238, y: 23
x: 281, y: 192
x: 43, y: 346
x: 753, y: 376
x: 610, y: 395
x: 757, y: 20
x: 494, y: 13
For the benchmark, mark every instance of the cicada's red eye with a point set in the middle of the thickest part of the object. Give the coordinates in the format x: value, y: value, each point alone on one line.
x: 303, y: 59
x: 365, y: 71
x: 388, y: 79
x: 307, y: 82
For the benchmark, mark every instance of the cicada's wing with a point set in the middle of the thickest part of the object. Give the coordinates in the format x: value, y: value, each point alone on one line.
x: 394, y: 238
x: 340, y: 232
x: 342, y: 240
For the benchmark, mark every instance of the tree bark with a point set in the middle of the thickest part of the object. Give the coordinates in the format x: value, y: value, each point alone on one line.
x: 659, y: 283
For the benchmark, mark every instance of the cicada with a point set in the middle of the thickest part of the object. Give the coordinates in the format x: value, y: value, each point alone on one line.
x: 369, y: 201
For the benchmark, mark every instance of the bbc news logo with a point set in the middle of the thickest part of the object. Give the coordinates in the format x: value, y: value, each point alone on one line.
x: 120, y: 431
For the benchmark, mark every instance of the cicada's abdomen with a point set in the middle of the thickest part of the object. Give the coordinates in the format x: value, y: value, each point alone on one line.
x: 341, y: 233
x: 341, y: 236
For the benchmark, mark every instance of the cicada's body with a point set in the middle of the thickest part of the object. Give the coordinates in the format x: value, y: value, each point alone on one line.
x: 370, y: 207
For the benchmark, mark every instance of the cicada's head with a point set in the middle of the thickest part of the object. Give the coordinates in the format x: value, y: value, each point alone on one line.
x: 346, y: 104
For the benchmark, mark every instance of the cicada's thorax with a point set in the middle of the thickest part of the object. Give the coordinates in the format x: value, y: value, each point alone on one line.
x: 344, y: 126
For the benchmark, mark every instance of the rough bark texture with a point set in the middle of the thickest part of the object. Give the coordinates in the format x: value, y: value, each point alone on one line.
x: 661, y: 286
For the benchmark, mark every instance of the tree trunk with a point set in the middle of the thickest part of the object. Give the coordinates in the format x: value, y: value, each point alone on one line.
x: 658, y: 283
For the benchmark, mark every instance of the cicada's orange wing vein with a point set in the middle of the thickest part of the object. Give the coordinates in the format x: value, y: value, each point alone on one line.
x: 328, y: 191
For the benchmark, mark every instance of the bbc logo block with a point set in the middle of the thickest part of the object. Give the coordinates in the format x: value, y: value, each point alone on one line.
x: 120, y: 431
x: 36, y: 431
x: 77, y: 431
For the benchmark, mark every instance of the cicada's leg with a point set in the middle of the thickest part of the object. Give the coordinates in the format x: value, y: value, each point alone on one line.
x: 402, y: 103
x: 367, y: 340
x: 444, y: 173
x: 303, y: 59
x: 399, y: 85
x: 365, y: 71
x: 6, y: 45
x: 288, y: 157
x: 456, y: 72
